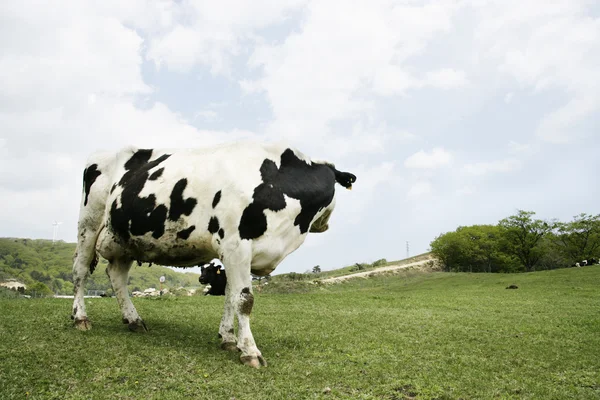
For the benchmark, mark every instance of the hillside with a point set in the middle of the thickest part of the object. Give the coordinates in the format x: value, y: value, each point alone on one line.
x: 30, y: 261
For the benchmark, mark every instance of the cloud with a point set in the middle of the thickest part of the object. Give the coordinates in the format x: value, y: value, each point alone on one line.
x: 422, y: 160
x: 420, y: 189
x: 320, y: 75
x: 446, y: 78
x: 516, y: 147
x: 545, y: 47
x: 466, y: 191
x: 212, y: 35
x: 484, y: 168
x: 206, y: 115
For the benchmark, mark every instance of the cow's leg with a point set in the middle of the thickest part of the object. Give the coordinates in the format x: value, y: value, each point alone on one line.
x: 226, y: 332
x: 118, y: 272
x: 239, y: 288
x: 83, y: 261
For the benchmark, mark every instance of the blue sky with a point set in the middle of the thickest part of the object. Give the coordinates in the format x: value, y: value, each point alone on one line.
x: 450, y: 112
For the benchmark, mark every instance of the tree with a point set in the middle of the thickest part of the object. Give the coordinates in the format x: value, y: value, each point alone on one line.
x: 523, y: 235
x: 316, y: 269
x: 38, y: 289
x: 448, y: 249
x: 476, y: 248
x: 580, y: 238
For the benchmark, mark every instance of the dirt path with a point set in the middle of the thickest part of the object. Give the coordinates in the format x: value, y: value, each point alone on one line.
x: 419, y: 263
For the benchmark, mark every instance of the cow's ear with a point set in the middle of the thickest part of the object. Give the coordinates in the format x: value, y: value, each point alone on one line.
x: 218, y: 271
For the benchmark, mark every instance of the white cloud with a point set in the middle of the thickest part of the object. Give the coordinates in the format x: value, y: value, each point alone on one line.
x: 466, y: 191
x: 206, y: 115
x: 438, y: 157
x: 211, y: 35
x: 484, y: 168
x: 420, y: 189
x: 322, y: 74
x: 446, y: 78
x: 545, y: 46
x: 516, y: 147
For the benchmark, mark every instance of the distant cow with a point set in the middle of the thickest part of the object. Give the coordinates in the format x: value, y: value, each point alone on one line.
x: 249, y: 204
x: 213, y: 274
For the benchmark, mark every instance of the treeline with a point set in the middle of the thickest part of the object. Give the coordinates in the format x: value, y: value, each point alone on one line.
x: 519, y: 243
x: 46, y: 268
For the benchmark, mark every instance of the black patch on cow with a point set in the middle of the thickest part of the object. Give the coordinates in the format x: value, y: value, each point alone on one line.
x: 213, y: 225
x: 184, y: 234
x: 179, y: 205
x: 112, y: 189
x: 312, y: 185
x: 90, y: 174
x: 216, y: 199
x: 138, y: 215
x: 156, y: 174
x: 93, y: 263
x: 221, y: 233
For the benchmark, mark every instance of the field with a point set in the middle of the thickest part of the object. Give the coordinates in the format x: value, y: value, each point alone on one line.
x: 408, y: 336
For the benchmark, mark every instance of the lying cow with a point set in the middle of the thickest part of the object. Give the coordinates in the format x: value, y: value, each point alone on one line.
x: 250, y: 205
x: 213, y: 274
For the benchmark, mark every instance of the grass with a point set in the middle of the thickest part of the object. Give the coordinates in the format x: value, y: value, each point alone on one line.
x: 407, y: 336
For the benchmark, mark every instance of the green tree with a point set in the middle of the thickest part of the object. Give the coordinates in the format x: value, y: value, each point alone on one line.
x: 523, y: 235
x: 451, y: 249
x: 38, y: 289
x: 580, y: 238
x: 316, y: 269
x: 477, y: 248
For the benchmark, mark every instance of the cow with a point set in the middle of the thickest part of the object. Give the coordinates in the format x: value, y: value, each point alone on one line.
x: 247, y: 204
x: 213, y: 274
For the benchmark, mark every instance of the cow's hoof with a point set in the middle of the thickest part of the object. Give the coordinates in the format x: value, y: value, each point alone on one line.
x: 83, y: 324
x: 254, y: 361
x: 137, y: 326
x: 229, y: 346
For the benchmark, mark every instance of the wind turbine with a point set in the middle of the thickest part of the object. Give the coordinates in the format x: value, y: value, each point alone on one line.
x: 55, y: 224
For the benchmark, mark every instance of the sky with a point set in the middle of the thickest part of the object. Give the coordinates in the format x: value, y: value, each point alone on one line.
x: 450, y: 112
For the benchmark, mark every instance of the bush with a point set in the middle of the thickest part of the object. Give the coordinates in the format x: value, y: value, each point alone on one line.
x: 294, y: 276
x: 6, y: 293
x: 359, y: 267
x: 380, y: 263
x: 38, y: 289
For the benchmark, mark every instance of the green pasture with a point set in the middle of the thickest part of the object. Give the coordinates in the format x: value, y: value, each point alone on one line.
x: 407, y: 336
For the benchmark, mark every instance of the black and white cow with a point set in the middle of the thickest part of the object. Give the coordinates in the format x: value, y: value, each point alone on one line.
x: 213, y: 274
x: 248, y: 204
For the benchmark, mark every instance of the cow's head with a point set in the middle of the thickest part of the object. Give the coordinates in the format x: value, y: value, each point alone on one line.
x: 346, y: 179
x: 210, y: 272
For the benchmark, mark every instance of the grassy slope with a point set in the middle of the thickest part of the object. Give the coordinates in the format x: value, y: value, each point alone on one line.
x: 55, y: 261
x: 445, y: 336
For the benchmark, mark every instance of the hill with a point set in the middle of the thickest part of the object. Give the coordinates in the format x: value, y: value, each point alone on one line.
x: 36, y: 262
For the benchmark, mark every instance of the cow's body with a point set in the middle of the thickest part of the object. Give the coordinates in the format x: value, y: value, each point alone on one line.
x: 249, y: 205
